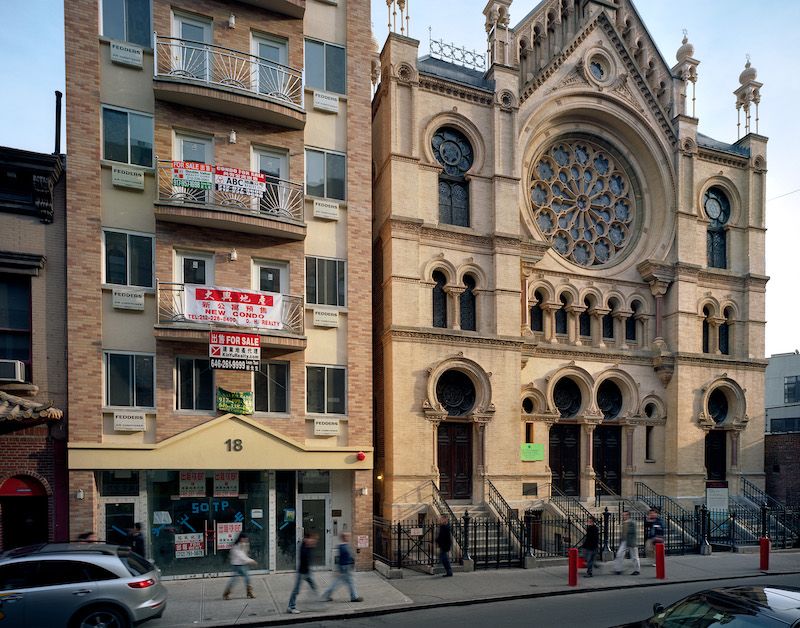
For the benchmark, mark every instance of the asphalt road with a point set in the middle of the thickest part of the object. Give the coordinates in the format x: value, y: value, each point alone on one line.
x: 599, y: 609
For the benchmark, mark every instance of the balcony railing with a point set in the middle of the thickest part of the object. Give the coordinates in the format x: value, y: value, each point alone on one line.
x: 216, y: 66
x: 282, y: 199
x: 172, y: 310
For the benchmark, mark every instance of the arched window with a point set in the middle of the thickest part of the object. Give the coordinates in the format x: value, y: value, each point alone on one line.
x: 718, y: 209
x: 630, y: 322
x: 567, y: 397
x: 537, y: 313
x: 439, y: 300
x: 608, y: 320
x: 725, y: 332
x: 467, y: 304
x: 706, y: 330
x: 585, y: 320
x: 454, y: 152
x: 561, y: 316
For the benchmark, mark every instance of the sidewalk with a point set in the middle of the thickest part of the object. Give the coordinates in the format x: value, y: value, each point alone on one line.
x: 199, y: 602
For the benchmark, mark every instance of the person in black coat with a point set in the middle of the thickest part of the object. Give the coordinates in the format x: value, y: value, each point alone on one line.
x: 303, y: 570
x: 591, y: 543
x: 136, y: 539
x: 445, y: 542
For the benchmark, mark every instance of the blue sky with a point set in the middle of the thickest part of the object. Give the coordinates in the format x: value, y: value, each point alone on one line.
x: 722, y: 31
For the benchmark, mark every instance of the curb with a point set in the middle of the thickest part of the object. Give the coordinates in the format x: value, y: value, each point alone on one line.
x: 285, y: 619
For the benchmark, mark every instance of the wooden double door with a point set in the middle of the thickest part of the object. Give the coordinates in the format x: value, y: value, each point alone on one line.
x: 716, y: 455
x: 455, y: 460
x: 565, y: 457
x: 607, y: 456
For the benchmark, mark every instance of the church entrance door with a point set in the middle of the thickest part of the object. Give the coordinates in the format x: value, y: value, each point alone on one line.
x: 565, y: 441
x: 455, y: 460
x: 716, y: 459
x: 607, y: 455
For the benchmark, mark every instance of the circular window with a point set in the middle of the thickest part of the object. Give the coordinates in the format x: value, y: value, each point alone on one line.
x: 568, y: 398
x: 453, y: 151
x: 583, y: 202
x: 527, y: 405
x: 609, y: 400
x: 456, y: 392
x: 599, y: 69
x: 650, y: 410
x: 717, y: 206
x: 718, y: 405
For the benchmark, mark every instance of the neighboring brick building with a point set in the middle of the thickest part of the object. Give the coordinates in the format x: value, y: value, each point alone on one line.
x: 220, y: 144
x: 33, y: 387
x: 571, y: 274
x: 782, y: 440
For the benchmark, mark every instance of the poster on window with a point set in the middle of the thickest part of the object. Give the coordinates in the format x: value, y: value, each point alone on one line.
x: 237, y: 181
x: 228, y: 306
x: 227, y: 533
x: 189, y: 545
x: 190, y: 174
x: 226, y: 483
x: 192, y: 484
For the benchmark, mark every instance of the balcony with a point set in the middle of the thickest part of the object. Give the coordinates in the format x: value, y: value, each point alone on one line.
x: 228, y: 82
x: 271, y: 206
x: 176, y: 321
x: 292, y: 8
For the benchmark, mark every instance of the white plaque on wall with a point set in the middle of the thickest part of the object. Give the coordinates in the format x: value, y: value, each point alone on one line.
x: 127, y: 299
x: 324, y: 101
x: 123, y: 177
x: 326, y: 318
x: 129, y: 421
x: 126, y: 54
x: 329, y: 210
x: 326, y: 427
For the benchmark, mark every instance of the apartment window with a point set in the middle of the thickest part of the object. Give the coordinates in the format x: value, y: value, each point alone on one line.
x: 128, y: 259
x: 130, y: 380
x: 326, y: 66
x: 325, y: 281
x: 127, y: 20
x: 791, y: 389
x: 325, y: 174
x: 15, y: 320
x: 195, y: 384
x: 127, y: 137
x: 272, y: 387
x: 325, y: 389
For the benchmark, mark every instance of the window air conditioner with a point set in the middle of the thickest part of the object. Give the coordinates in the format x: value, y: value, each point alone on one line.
x: 12, y: 371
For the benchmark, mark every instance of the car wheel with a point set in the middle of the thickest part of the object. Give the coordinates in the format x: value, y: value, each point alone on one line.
x: 101, y: 617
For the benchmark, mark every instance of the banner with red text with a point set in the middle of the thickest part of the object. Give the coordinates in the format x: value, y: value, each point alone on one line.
x: 229, y: 306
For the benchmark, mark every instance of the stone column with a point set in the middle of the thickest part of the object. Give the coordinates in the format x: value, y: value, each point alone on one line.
x: 573, y: 311
x: 641, y: 325
x: 587, y: 474
x: 734, y: 434
x: 597, y: 314
x: 549, y: 322
x: 658, y: 289
x: 629, y: 430
x: 435, y: 420
x: 453, y: 295
x: 619, y: 329
x: 713, y: 334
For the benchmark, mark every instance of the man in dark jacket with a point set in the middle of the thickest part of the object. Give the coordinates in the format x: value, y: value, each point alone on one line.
x: 445, y: 542
x: 303, y: 570
x: 136, y: 539
x: 346, y: 564
x: 591, y: 543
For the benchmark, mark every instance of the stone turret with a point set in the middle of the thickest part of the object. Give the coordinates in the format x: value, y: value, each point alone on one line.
x: 684, y: 73
x: 748, y: 93
x: 500, y: 44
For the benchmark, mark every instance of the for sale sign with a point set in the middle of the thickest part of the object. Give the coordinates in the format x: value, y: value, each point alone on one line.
x: 192, y: 484
x: 226, y: 483
x: 229, y: 306
x: 190, y: 174
x: 237, y: 181
x: 233, y: 351
x: 227, y: 533
x: 189, y: 545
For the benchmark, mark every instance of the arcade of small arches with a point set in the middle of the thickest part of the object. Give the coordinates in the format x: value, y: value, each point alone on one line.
x: 718, y: 330
x: 455, y: 296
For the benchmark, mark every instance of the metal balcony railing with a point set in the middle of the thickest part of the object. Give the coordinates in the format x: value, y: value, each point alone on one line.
x: 198, y: 62
x: 282, y: 199
x: 172, y: 310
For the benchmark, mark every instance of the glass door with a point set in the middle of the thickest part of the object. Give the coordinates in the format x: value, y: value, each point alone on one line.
x: 191, y: 54
x: 315, y: 517
x: 270, y: 76
x: 193, y: 149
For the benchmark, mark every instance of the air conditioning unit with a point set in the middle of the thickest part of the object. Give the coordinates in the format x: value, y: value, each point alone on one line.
x: 12, y: 371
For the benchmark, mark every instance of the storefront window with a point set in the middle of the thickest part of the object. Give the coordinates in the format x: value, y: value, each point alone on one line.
x: 285, y: 521
x: 314, y: 482
x: 197, y: 515
x: 119, y: 483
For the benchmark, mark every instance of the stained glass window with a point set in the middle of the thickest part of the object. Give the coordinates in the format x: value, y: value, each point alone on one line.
x: 718, y: 209
x: 706, y: 330
x: 537, y: 313
x: 583, y: 202
x: 454, y: 152
x: 567, y: 397
x: 467, y: 305
x: 561, y: 317
x: 456, y: 392
x: 718, y: 405
x: 585, y: 320
x: 608, y: 326
x: 439, y: 300
x: 630, y: 322
x: 609, y: 399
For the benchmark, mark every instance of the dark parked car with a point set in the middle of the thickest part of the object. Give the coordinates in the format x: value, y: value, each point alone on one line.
x: 78, y: 585
x: 731, y: 607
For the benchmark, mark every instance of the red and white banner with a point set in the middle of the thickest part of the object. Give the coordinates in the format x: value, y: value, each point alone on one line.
x: 229, y: 306
x: 192, y: 484
x: 191, y: 545
x: 227, y: 533
x: 237, y: 181
x: 226, y: 483
x: 190, y: 174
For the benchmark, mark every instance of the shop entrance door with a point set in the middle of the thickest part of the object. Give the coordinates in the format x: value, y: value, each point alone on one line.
x: 565, y: 446
x: 315, y: 517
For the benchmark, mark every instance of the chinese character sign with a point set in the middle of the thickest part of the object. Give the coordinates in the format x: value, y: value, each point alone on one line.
x: 189, y: 545
x: 228, y: 306
x: 192, y: 484
x: 227, y: 533
x: 226, y: 483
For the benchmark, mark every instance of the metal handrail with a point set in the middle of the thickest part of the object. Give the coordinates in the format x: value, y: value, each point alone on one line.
x: 188, y: 60
x: 569, y: 505
x: 440, y: 503
x: 629, y: 503
x: 665, y: 504
x: 282, y: 199
x: 507, y: 514
x: 758, y: 496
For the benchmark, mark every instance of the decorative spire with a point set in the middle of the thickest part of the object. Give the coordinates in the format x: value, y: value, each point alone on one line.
x: 686, y: 72
x: 392, y: 7
x: 748, y: 94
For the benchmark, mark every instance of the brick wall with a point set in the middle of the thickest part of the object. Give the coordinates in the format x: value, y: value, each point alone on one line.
x: 782, y: 467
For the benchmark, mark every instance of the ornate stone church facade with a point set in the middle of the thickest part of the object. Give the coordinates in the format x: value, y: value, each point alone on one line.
x: 568, y: 275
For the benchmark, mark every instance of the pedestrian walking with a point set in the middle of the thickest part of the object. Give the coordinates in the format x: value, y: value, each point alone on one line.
x: 240, y: 560
x: 87, y: 537
x: 591, y: 544
x: 627, y: 542
x: 303, y: 570
x: 445, y: 542
x: 654, y: 533
x: 345, y: 571
x: 136, y: 539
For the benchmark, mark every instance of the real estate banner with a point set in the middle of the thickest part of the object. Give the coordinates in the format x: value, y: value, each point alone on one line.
x: 234, y: 402
x: 190, y: 174
x: 229, y: 306
x: 237, y: 181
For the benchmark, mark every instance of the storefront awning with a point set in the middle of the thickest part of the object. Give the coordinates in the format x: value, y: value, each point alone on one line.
x: 227, y: 442
x: 17, y: 413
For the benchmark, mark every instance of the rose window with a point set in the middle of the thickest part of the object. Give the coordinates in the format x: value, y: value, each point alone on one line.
x: 582, y: 202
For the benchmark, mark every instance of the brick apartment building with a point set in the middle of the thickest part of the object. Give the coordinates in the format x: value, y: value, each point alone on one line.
x: 219, y: 182
x: 33, y: 387
x: 782, y: 440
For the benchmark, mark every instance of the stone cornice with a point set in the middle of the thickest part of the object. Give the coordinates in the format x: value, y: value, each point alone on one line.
x: 456, y: 90
x: 447, y: 337
x: 579, y: 352
x: 724, y: 159
x: 721, y: 362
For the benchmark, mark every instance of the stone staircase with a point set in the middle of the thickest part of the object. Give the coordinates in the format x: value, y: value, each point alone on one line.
x: 489, y: 542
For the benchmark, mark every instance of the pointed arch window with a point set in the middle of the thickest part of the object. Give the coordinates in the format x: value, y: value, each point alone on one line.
x: 537, y: 313
x: 718, y: 209
x: 706, y: 330
x: 439, y: 299
x: 466, y: 304
x: 725, y: 333
x: 561, y: 316
x: 630, y: 322
x: 454, y: 152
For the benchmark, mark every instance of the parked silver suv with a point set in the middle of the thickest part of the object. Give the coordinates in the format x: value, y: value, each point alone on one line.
x: 77, y: 585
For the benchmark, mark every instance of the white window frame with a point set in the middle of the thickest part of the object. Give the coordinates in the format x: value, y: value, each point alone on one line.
x: 283, y: 267
x: 316, y: 297
x: 325, y: 45
x: 151, y: 287
x: 325, y: 394
x: 325, y: 152
x: 288, y: 388
x: 177, y: 147
x: 283, y: 155
x: 205, y: 255
x: 100, y: 21
x: 142, y: 114
x: 107, y: 383
x: 177, y: 386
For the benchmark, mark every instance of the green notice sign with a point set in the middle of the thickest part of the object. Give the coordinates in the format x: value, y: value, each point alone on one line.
x: 234, y: 402
x: 531, y: 452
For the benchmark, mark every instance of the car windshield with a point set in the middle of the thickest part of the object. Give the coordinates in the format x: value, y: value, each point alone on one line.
x: 136, y: 565
x: 702, y: 611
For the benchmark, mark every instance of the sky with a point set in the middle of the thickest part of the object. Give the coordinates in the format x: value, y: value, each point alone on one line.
x: 723, y: 32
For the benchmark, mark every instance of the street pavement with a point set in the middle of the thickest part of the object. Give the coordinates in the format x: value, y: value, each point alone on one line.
x: 198, y: 602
